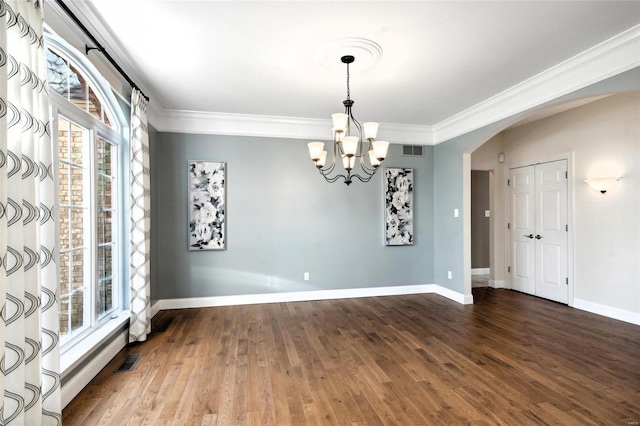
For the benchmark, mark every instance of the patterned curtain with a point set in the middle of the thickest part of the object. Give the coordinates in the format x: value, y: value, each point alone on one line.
x: 140, y: 318
x: 29, y: 328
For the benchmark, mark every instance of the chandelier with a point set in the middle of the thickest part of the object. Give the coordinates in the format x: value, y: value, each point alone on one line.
x: 359, y: 159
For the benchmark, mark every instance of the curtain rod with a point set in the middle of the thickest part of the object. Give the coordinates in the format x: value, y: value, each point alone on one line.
x: 98, y: 47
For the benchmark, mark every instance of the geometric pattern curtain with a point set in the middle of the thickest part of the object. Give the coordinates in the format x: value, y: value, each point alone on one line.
x: 29, y: 329
x: 140, y: 317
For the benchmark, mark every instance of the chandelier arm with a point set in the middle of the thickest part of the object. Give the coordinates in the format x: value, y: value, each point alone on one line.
x: 329, y: 168
x: 368, y: 170
x: 335, y: 178
x: 356, y: 122
x: 362, y: 179
x: 361, y: 150
x: 337, y: 149
x: 325, y: 172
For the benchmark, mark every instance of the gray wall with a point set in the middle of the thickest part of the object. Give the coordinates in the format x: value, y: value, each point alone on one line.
x: 283, y: 219
x: 155, y: 252
x: 479, y: 222
x: 451, y: 178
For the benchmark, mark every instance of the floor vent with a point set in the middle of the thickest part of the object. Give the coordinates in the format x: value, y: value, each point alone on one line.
x: 412, y: 150
x: 129, y: 362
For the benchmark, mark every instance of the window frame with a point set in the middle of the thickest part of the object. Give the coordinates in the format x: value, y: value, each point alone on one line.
x: 86, y: 206
x: 118, y: 136
x: 117, y: 231
x: 92, y: 130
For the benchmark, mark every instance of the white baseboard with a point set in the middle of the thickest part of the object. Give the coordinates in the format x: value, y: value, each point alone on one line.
x: 480, y: 271
x: 89, y: 371
x: 496, y: 283
x: 155, y: 308
x: 464, y: 299
x: 304, y: 296
x: 607, y: 311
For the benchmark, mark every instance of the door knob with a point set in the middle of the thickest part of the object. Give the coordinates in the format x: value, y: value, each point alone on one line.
x: 529, y: 236
x: 538, y: 237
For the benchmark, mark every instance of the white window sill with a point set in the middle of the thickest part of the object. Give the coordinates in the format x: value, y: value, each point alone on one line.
x: 75, y: 355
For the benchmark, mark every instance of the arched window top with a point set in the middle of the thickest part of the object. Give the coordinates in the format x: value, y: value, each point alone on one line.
x: 74, y: 78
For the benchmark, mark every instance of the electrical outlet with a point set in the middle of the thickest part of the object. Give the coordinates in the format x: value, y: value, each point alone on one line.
x: 306, y: 276
x: 449, y: 275
x: 455, y: 213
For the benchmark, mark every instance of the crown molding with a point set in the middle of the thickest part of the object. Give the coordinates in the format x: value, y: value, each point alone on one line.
x: 409, y: 134
x: 201, y: 122
x: 607, y: 59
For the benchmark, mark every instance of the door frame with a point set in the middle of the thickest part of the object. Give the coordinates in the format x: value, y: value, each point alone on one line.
x: 570, y: 214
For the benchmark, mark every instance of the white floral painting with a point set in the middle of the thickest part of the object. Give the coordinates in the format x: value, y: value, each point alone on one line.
x: 207, y: 215
x: 398, y: 195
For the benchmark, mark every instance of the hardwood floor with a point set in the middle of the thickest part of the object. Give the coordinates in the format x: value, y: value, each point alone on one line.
x: 422, y: 359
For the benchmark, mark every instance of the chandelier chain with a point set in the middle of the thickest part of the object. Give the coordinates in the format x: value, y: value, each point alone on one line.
x: 348, y: 90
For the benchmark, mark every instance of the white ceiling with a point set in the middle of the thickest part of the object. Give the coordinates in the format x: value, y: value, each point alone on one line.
x: 258, y: 57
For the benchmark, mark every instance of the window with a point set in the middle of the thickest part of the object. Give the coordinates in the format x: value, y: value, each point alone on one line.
x: 91, y: 149
x: 67, y: 81
x: 106, y: 154
x: 74, y: 230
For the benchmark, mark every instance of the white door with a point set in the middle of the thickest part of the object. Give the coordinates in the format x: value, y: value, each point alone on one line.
x: 538, y: 224
x: 551, y: 231
x: 522, y: 225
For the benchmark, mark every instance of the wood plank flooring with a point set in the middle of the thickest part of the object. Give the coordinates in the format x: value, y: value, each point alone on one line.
x: 508, y: 359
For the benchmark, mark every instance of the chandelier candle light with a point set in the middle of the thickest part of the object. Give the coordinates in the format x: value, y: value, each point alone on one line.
x: 348, y: 147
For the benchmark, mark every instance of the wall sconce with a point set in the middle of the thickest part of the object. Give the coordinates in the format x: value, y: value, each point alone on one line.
x: 501, y: 158
x: 602, y: 184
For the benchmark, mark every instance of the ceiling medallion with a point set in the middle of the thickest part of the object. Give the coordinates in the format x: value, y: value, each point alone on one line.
x: 367, y: 51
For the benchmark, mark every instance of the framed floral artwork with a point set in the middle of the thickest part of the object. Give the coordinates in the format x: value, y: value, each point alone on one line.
x: 398, y: 201
x: 207, y: 205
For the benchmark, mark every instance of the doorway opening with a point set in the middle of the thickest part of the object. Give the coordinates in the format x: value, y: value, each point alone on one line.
x: 481, y: 225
